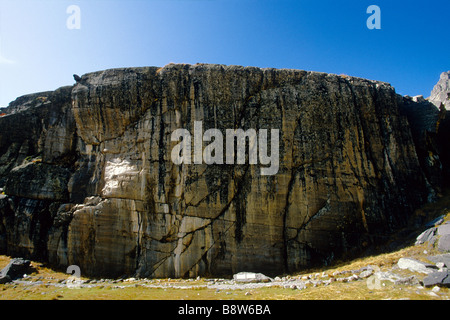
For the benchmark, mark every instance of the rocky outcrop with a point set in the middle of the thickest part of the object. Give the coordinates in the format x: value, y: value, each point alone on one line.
x: 441, y: 91
x: 440, y: 97
x: 92, y: 181
x: 15, y: 269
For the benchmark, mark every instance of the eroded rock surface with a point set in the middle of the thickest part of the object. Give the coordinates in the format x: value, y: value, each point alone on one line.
x: 441, y: 91
x: 94, y: 184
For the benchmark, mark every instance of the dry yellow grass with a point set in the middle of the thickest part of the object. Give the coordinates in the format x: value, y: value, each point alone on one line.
x: 356, y: 290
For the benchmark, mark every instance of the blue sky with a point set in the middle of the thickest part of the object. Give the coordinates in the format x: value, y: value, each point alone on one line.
x: 39, y: 53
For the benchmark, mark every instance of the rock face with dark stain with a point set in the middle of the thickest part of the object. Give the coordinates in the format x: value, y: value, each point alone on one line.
x: 89, y: 177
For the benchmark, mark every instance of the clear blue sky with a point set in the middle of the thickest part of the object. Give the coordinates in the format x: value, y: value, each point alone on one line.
x: 38, y: 52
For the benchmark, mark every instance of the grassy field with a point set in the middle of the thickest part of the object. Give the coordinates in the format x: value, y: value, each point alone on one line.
x: 130, y: 290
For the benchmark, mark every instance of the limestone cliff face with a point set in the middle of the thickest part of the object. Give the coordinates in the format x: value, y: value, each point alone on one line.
x: 427, y: 123
x: 93, y: 183
x: 37, y: 155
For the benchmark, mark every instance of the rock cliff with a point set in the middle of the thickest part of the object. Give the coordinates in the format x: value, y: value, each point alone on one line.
x: 441, y: 91
x: 88, y: 176
x: 440, y: 97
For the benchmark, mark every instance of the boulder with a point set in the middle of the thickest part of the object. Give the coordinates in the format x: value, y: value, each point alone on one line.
x: 444, y: 243
x: 441, y: 233
x: 426, y: 236
x: 415, y: 265
x: 251, y: 277
x: 381, y: 276
x: 444, y: 237
x: 440, y: 278
x: 444, y: 229
x: 444, y: 258
x: 16, y: 268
